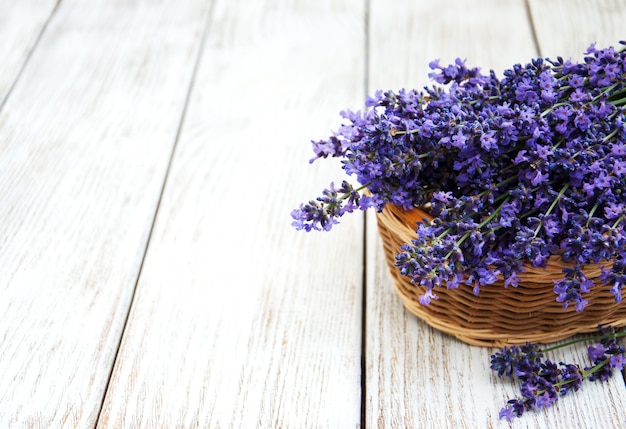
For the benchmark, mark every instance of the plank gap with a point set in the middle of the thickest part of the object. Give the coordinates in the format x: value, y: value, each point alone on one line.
x: 366, y: 88
x: 29, y: 55
x: 366, y: 48
x: 198, y: 59
x: 533, y: 27
x: 364, y: 324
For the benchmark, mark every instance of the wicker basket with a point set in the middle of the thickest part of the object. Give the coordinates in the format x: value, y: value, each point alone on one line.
x: 497, y: 316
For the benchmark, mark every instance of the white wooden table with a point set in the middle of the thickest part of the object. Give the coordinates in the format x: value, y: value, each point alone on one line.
x: 150, y: 155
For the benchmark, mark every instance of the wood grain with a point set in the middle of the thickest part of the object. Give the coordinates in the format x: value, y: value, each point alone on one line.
x: 416, y: 376
x: 406, y: 36
x: 239, y: 320
x: 567, y: 28
x: 21, y: 24
x: 85, y: 138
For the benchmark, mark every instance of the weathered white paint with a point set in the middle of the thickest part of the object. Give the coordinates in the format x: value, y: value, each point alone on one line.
x: 21, y: 24
x: 85, y: 139
x: 239, y: 320
x: 567, y: 28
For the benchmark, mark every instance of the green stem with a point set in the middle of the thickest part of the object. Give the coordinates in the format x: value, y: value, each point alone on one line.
x: 558, y: 197
x: 585, y: 374
x: 619, y: 102
x: 395, y: 132
x: 482, y: 224
x: 591, y: 212
x: 610, y: 136
x: 494, y: 214
x: 585, y: 340
x: 554, y: 106
x: 604, y: 92
x: 359, y: 189
x: 591, y: 370
x: 619, y: 219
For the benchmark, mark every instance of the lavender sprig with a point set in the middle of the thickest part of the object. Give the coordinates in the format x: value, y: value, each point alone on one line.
x: 543, y: 382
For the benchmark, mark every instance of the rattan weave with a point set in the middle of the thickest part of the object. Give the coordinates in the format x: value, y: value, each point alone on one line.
x: 498, y: 316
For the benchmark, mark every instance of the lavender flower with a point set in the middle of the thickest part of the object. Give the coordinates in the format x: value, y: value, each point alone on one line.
x: 515, y: 169
x: 543, y: 382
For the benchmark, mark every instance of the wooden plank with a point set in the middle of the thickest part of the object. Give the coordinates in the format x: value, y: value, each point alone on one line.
x: 416, y: 376
x: 406, y: 37
x: 85, y: 138
x: 566, y: 28
x: 21, y: 24
x: 239, y: 320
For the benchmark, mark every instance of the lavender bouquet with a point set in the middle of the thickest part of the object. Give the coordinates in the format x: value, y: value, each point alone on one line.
x: 513, y: 170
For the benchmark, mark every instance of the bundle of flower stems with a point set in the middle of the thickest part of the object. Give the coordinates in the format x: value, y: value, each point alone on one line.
x: 513, y: 169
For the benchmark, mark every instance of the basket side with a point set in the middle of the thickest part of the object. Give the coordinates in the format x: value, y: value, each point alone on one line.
x: 498, y: 316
